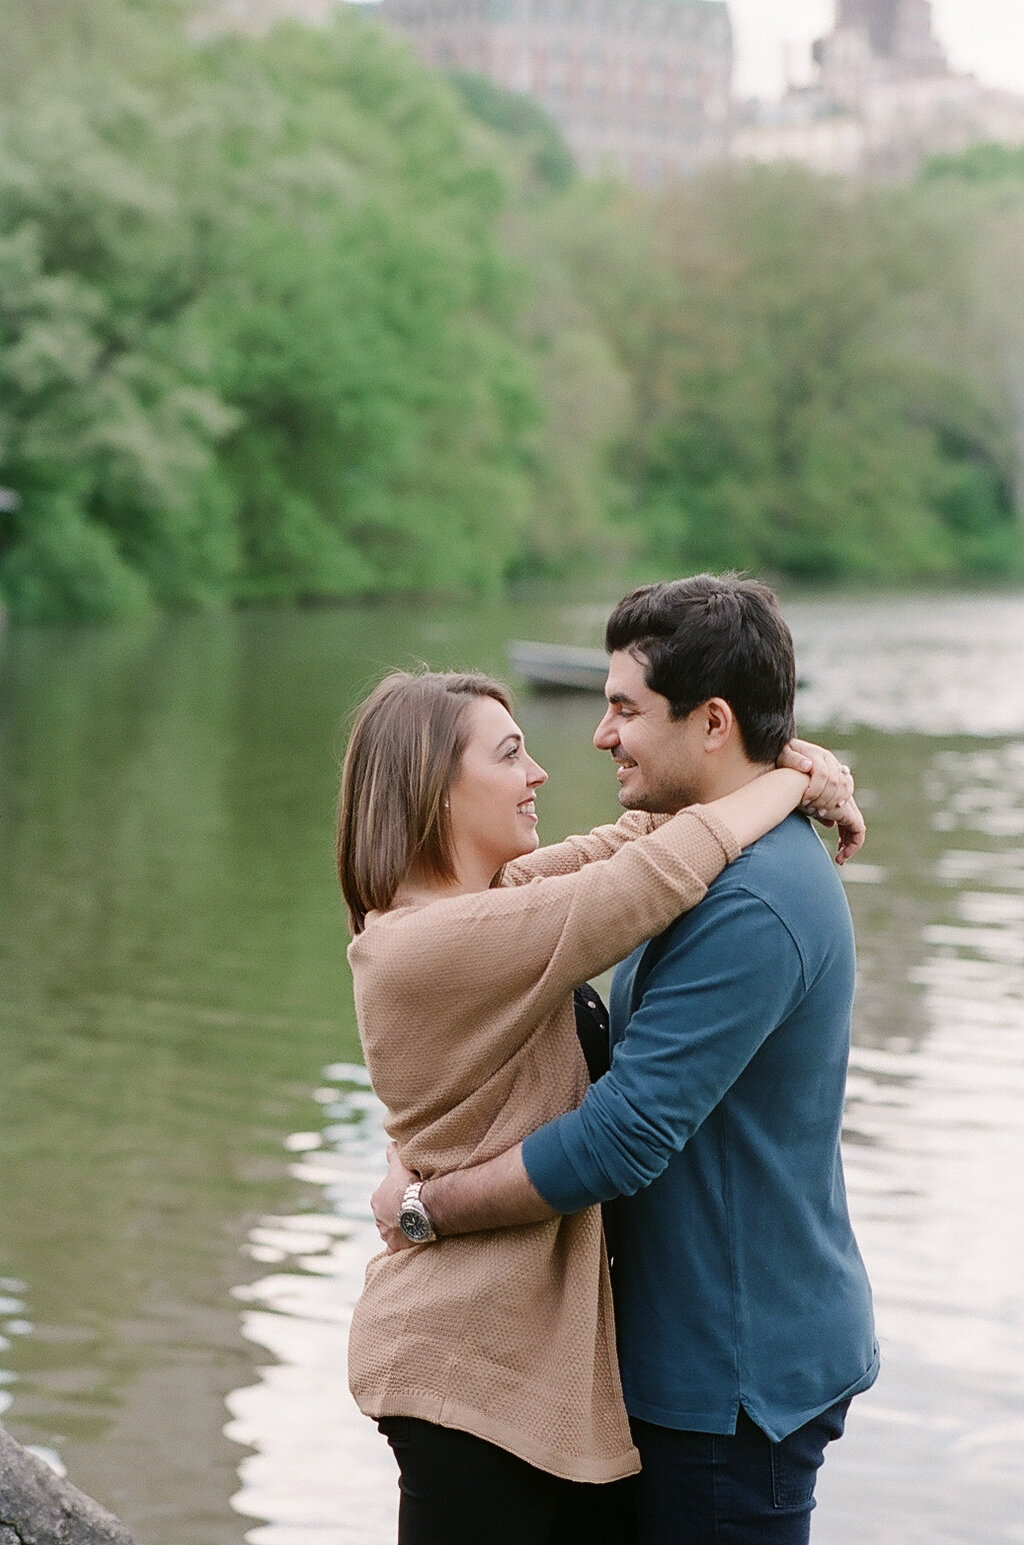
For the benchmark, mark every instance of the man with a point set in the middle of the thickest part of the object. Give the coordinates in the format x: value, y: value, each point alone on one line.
x: 742, y: 1305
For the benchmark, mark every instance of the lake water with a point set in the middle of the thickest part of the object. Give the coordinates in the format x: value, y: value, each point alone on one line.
x: 187, y: 1138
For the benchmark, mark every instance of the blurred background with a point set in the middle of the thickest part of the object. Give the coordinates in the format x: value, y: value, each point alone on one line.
x: 334, y: 337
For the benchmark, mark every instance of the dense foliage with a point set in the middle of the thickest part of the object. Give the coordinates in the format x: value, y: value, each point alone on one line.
x: 816, y: 395
x: 256, y: 333
x: 292, y: 317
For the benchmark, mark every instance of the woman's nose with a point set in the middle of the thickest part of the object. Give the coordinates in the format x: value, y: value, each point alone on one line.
x: 537, y: 775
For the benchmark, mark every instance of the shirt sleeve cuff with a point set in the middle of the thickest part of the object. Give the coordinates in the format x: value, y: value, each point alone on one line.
x: 551, y: 1170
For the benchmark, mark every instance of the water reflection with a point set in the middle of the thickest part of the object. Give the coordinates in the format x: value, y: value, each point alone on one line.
x: 934, y: 1143
x: 12, y: 1324
x: 168, y: 957
x: 935, y: 1153
x: 172, y: 981
x: 931, y: 666
x: 321, y: 1472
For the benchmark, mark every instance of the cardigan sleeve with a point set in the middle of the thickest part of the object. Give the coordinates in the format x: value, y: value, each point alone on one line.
x: 568, y: 856
x: 491, y: 966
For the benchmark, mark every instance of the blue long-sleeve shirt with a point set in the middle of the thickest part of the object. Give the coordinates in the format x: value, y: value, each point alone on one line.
x: 738, y: 1281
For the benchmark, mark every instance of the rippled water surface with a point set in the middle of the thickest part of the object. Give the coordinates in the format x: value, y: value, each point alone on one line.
x: 187, y: 1137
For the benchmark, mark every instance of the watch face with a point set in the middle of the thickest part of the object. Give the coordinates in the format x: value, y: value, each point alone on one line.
x: 414, y: 1226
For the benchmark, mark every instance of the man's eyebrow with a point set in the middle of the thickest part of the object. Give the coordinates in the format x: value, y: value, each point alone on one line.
x: 620, y: 698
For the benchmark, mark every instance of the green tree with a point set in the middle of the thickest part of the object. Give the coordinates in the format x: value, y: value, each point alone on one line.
x: 293, y: 317
x: 803, y: 404
x: 369, y: 342
x: 257, y: 336
x: 539, y: 151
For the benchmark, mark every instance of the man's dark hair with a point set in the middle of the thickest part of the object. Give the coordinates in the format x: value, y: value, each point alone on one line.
x: 714, y: 636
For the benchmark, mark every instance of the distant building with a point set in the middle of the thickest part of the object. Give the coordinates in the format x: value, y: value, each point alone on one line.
x: 258, y: 15
x: 643, y: 87
x: 898, y: 31
x: 883, y: 99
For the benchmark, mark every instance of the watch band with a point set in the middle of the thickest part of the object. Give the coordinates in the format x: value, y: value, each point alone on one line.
x: 413, y: 1218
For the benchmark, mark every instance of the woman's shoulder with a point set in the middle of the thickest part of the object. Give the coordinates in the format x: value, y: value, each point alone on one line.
x: 402, y: 927
x: 383, y: 928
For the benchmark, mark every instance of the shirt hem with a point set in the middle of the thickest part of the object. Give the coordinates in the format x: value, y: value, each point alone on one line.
x: 703, y: 1420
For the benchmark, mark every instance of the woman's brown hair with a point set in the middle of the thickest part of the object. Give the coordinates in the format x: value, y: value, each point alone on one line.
x: 403, y: 755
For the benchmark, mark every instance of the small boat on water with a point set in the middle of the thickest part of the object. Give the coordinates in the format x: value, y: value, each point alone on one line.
x: 565, y: 668
x: 559, y: 667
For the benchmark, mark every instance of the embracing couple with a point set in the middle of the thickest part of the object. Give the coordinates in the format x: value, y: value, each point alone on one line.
x: 530, y: 1395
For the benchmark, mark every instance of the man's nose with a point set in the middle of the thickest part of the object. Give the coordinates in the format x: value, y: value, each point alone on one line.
x: 605, y: 736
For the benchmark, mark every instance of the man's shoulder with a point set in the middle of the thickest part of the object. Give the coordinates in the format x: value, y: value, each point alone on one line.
x: 781, y: 900
x: 789, y: 872
x: 771, y: 866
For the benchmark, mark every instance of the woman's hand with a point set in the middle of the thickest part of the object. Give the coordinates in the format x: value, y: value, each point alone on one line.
x: 852, y: 830
x: 829, y: 796
x: 831, y: 783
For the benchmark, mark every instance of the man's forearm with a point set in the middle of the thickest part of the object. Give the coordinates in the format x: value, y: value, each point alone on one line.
x: 498, y: 1194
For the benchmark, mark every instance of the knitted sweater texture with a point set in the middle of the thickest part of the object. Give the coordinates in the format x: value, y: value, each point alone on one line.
x: 465, y: 1015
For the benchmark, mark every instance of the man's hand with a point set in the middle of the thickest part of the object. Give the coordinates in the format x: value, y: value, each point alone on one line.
x: 386, y: 1202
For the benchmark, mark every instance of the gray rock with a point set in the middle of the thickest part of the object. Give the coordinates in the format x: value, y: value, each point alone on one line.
x: 37, y: 1507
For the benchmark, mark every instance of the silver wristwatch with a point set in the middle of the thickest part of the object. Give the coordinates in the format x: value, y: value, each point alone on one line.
x: 413, y: 1217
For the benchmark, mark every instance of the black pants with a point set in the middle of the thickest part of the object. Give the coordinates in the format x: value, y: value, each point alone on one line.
x: 698, y: 1488
x: 458, y: 1490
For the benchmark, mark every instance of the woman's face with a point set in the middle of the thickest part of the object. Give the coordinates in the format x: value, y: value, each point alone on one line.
x: 491, y: 801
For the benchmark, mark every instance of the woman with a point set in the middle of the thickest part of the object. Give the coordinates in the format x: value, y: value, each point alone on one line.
x: 489, y: 1360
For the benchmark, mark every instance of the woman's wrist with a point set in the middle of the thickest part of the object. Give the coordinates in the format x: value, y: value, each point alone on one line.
x: 785, y: 785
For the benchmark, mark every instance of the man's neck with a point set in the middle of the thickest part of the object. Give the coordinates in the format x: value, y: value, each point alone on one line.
x: 725, y: 778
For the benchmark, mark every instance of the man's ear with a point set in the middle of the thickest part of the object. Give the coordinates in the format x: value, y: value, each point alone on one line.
x: 719, y: 723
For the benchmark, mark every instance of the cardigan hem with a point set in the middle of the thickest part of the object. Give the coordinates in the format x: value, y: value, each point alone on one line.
x: 462, y: 1418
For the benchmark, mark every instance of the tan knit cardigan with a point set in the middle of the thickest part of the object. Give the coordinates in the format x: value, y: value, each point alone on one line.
x: 465, y: 1014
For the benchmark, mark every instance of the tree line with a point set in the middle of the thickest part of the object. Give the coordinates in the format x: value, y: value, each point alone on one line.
x: 292, y: 318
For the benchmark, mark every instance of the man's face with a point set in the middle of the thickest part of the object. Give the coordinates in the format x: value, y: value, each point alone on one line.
x: 659, y: 760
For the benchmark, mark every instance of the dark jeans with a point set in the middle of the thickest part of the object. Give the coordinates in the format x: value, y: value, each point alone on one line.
x: 698, y: 1488
x: 458, y: 1490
